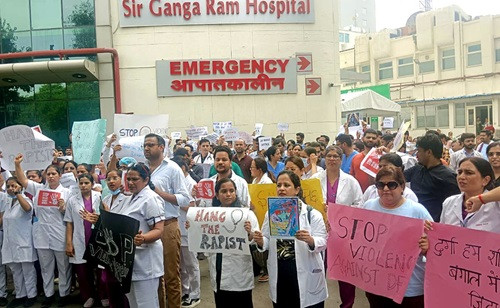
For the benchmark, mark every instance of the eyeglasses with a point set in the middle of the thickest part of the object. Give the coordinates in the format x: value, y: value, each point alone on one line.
x: 149, y: 145
x: 333, y: 156
x: 391, y: 185
x: 491, y: 154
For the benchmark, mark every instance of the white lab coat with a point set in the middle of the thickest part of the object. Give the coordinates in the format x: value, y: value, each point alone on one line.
x: 17, y: 237
x: 265, y: 179
x: 237, y: 270
x: 190, y: 184
x: 310, y: 266
x: 49, y: 231
x: 209, y: 160
x: 117, y: 205
x: 486, y: 219
x: 72, y: 214
x: 348, y: 193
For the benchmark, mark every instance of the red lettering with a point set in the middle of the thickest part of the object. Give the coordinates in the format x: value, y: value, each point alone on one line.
x: 128, y: 10
x: 205, y: 67
x: 190, y: 68
x: 199, y: 215
x: 245, y: 67
x: 152, y: 8
x: 263, y: 6
x: 252, y: 4
x: 232, y: 67
x: 175, y: 68
x: 210, y: 7
x: 271, y: 66
x: 282, y: 64
x: 257, y: 66
x: 218, y: 67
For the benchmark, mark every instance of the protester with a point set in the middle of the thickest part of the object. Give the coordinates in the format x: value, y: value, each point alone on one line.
x: 390, y: 183
x: 388, y: 160
x: 297, y: 148
x: 493, y: 153
x: 469, y: 142
x: 242, y: 159
x: 205, y: 157
x: 292, y: 282
x: 296, y: 165
x: 274, y: 165
x: 345, y: 143
x: 369, y: 141
x: 475, y: 177
x: 49, y: 233
x: 430, y: 180
x: 300, y: 139
x: 70, y: 167
x: 259, y: 171
x: 310, y: 158
x: 17, y: 248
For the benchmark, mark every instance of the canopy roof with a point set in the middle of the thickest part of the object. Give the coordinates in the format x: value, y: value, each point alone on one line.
x: 368, y: 103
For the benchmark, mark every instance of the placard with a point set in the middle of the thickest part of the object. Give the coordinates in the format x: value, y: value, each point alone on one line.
x: 399, y: 139
x: 36, y: 148
x: 88, y: 138
x: 283, y: 217
x: 265, y: 143
x: 258, y: 196
x: 352, y: 119
x: 131, y: 125
x: 218, y: 230
x: 463, y: 268
x: 374, y: 251
x: 112, y: 245
x: 132, y: 147
x: 205, y: 189
x: 220, y: 127
x: 258, y: 129
x: 48, y: 198
x: 313, y: 195
x: 175, y: 135
x: 231, y: 134
x: 196, y: 132
x: 388, y: 122
x: 246, y: 137
x: 369, y: 164
x: 213, y: 137
x: 68, y: 179
x: 283, y: 127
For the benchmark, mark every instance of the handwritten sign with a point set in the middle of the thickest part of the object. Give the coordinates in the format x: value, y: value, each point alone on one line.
x: 258, y: 196
x: 283, y: 217
x: 265, y: 143
x: 68, y: 179
x: 246, y: 137
x: 463, y: 268
x: 283, y: 127
x: 196, y: 132
x: 399, y: 139
x: 205, y: 189
x: 388, y: 122
x: 258, y: 129
x: 220, y: 127
x: 218, y: 229
x: 48, y: 197
x: 131, y: 125
x: 212, y: 138
x: 373, y: 251
x: 369, y: 164
x: 88, y: 137
x: 112, y: 245
x: 132, y: 147
x: 36, y: 148
x: 175, y: 135
x: 231, y: 134
x: 313, y: 195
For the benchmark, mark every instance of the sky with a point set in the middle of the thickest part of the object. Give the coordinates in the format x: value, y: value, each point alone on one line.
x: 394, y: 13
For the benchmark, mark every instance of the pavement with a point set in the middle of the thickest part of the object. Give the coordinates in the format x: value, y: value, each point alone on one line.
x: 260, y: 293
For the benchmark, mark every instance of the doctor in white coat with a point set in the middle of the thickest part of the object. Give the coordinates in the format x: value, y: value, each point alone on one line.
x: 340, y: 188
x: 475, y: 177
x: 49, y: 232
x: 78, y: 234
x: 17, y: 250
x: 296, y: 269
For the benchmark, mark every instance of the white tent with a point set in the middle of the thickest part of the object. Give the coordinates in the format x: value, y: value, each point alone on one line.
x: 368, y: 103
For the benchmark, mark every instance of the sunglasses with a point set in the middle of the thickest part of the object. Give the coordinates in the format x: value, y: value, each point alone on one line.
x: 391, y: 185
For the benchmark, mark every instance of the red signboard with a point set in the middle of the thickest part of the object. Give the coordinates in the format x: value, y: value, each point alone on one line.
x: 205, y: 189
x: 313, y: 86
x: 48, y: 198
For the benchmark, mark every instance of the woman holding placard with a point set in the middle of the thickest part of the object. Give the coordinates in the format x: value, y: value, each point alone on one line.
x: 17, y: 249
x: 296, y: 270
x: 78, y: 234
x: 49, y: 230
x: 390, y: 183
x: 258, y: 170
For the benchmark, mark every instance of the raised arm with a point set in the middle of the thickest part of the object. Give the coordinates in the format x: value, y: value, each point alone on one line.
x: 21, y: 177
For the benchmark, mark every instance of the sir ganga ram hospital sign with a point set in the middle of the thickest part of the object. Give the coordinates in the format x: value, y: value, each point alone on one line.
x: 144, y: 13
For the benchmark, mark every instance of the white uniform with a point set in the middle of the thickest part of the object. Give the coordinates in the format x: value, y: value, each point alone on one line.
x: 348, y: 192
x: 49, y: 238
x: 17, y: 250
x: 147, y: 208
x: 237, y: 270
x: 4, y: 202
x: 310, y: 266
x: 486, y: 219
x: 72, y: 214
x: 265, y: 179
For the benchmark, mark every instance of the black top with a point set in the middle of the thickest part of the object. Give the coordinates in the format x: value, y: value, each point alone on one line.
x: 432, y: 186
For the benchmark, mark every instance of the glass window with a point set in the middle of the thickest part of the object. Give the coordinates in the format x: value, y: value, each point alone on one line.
x: 365, y: 69
x: 426, y: 67
x: 430, y: 116
x: 47, y: 39
x: 16, y: 42
x: 83, y: 90
x: 448, y: 59
x: 341, y: 37
x: 16, y: 13
x: 460, y: 114
x: 78, y: 13
x: 81, y: 37
x: 443, y: 119
x: 420, y: 117
x: 433, y: 116
x: 405, y: 114
x: 346, y: 37
x: 474, y: 55
x: 405, y: 67
x: 385, y: 70
x: 497, y: 50
x: 46, y: 14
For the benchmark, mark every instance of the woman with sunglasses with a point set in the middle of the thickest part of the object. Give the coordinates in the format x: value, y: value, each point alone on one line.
x: 388, y: 160
x: 49, y: 232
x: 493, y: 153
x: 390, y: 183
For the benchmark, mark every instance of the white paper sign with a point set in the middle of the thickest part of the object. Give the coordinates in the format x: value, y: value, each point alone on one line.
x: 130, y: 125
x: 399, y: 139
x: 196, y: 132
x: 258, y: 129
x: 246, y: 137
x: 132, y: 147
x: 218, y: 230
x: 220, y: 127
x: 37, y: 149
x: 388, y: 123
x: 212, y: 138
x: 352, y: 130
x: 265, y: 143
x: 68, y: 179
x: 231, y: 134
x: 283, y: 127
x: 175, y: 135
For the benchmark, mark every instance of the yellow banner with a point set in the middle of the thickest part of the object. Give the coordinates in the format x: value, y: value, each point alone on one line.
x: 313, y: 195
